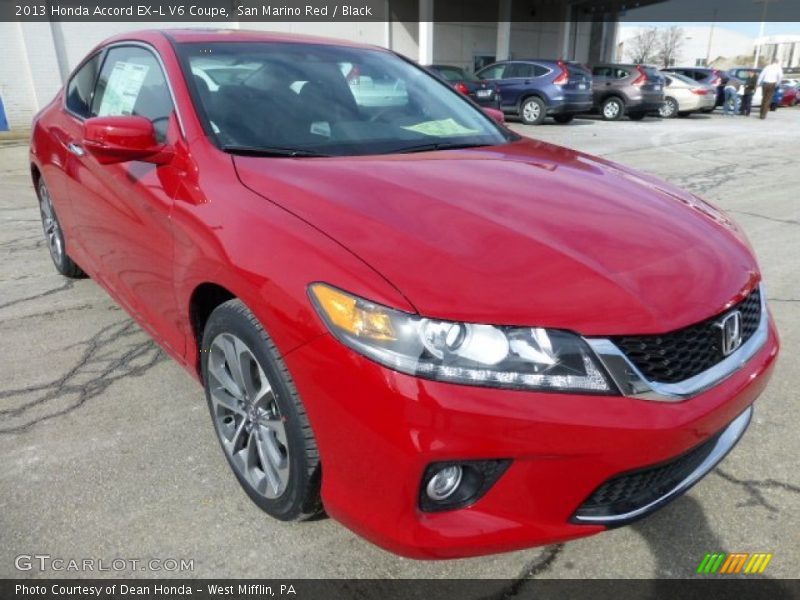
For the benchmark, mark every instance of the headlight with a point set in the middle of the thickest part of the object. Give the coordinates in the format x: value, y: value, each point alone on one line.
x: 466, y: 353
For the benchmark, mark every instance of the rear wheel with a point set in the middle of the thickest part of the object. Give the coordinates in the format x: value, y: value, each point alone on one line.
x: 259, y: 419
x: 612, y: 109
x: 532, y: 111
x: 563, y: 119
x: 669, y: 109
x: 55, y: 235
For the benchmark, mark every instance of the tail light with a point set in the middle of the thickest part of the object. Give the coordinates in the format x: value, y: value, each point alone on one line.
x: 699, y: 91
x: 461, y: 88
x: 642, y: 78
x: 562, y: 77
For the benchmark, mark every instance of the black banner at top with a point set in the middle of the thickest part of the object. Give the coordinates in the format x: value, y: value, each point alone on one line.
x: 228, y: 11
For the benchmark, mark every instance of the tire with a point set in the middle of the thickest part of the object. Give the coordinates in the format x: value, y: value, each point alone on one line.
x: 532, y: 111
x: 669, y: 110
x: 258, y: 416
x: 54, y: 235
x: 563, y: 119
x: 612, y: 109
x: 636, y: 116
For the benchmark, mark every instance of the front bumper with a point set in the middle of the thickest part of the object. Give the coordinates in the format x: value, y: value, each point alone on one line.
x: 378, y: 429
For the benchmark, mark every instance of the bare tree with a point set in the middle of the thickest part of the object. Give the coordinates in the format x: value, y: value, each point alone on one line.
x: 643, y: 47
x: 670, y: 43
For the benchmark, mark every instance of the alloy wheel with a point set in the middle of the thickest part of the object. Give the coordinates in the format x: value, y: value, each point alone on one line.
x: 668, y: 109
x: 50, y: 225
x: 611, y: 110
x: 531, y: 111
x: 247, y: 417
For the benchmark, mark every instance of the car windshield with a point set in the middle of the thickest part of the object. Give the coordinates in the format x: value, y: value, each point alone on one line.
x: 298, y: 99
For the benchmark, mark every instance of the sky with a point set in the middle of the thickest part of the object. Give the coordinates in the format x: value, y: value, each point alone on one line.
x: 749, y: 29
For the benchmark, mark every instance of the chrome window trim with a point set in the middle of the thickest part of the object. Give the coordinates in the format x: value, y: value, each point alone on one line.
x: 126, y: 43
x: 631, y: 382
x: 726, y: 441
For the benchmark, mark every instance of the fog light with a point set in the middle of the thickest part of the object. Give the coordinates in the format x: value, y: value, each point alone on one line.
x: 444, y: 483
x: 457, y: 484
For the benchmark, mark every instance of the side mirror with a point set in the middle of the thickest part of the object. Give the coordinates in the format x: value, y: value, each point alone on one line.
x: 122, y: 139
x: 495, y: 114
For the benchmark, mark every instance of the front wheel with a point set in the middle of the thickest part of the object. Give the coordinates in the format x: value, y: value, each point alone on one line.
x: 258, y: 416
x: 563, y: 119
x: 669, y: 109
x: 54, y: 235
x: 532, y: 111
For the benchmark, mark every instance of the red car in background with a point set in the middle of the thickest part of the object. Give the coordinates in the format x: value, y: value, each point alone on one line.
x: 456, y: 340
x: 791, y: 95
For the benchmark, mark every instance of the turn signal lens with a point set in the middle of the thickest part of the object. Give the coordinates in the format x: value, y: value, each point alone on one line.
x: 344, y: 312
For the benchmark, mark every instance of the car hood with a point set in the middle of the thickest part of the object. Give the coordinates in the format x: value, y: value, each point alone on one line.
x: 526, y: 233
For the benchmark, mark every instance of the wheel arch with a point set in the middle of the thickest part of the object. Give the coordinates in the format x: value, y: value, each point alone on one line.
x: 203, y: 300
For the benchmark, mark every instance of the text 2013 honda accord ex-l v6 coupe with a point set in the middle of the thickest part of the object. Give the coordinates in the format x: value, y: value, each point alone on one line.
x: 455, y: 340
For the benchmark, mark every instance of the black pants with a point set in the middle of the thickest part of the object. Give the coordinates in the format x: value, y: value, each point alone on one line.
x: 747, y: 104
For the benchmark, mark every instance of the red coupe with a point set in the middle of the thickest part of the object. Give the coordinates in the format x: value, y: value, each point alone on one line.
x: 454, y: 339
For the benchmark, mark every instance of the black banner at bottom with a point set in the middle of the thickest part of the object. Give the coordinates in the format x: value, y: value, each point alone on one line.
x: 716, y: 588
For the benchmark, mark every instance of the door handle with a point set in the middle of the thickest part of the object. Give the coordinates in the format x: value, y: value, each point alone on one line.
x: 76, y: 149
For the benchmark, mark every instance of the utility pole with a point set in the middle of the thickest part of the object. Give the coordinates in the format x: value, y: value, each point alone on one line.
x: 711, y: 37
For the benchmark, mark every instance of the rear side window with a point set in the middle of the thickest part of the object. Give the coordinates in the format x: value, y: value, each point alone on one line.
x: 523, y: 70
x: 131, y: 82
x: 80, y: 88
x: 620, y: 73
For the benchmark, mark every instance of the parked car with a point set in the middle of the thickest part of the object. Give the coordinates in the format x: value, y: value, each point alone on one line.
x: 455, y: 339
x: 791, y: 95
x: 620, y: 89
x: 482, y: 92
x: 683, y: 96
x: 535, y: 89
x: 706, y: 76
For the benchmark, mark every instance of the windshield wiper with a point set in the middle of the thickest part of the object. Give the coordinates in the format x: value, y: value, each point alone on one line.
x: 439, y: 146
x: 270, y: 151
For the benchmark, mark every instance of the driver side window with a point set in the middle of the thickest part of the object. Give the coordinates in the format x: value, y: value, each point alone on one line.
x: 132, y: 83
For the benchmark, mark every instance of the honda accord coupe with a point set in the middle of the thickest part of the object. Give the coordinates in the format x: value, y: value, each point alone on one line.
x: 452, y: 339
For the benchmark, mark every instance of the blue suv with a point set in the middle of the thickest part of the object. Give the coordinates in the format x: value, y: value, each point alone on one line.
x: 534, y: 89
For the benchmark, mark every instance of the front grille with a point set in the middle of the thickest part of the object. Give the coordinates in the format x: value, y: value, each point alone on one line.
x: 681, y: 354
x: 635, y: 489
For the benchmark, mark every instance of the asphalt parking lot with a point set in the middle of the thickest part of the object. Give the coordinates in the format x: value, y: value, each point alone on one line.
x: 108, y: 451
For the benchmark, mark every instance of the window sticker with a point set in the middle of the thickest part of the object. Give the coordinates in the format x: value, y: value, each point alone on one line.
x: 123, y: 89
x: 441, y: 128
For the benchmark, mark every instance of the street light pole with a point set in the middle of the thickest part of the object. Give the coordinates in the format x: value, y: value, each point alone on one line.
x: 761, y: 28
x: 711, y: 37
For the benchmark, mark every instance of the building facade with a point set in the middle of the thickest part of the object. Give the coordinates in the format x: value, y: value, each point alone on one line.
x: 38, y: 56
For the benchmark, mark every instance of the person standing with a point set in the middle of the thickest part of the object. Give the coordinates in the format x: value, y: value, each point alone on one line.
x: 750, y: 85
x: 768, y: 79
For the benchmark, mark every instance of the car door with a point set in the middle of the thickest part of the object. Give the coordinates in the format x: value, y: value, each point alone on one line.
x: 65, y: 130
x: 601, y: 83
x: 122, y: 211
